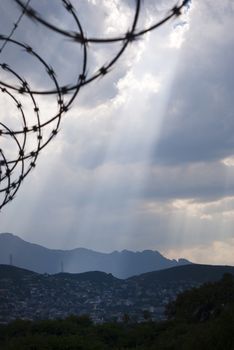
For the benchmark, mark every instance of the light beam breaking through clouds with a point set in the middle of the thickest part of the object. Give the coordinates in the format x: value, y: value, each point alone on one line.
x: 145, y: 158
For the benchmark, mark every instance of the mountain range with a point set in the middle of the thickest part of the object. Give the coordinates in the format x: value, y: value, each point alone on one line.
x: 124, y: 264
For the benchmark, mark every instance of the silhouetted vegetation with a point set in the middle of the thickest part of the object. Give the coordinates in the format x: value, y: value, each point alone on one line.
x: 202, y: 318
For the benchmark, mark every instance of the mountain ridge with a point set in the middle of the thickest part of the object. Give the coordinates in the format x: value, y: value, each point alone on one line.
x: 40, y: 259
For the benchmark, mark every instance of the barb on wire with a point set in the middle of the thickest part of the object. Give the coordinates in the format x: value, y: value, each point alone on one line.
x: 22, y: 142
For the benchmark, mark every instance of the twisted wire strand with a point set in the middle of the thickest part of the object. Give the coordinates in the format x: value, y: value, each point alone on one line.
x: 15, y: 26
x: 15, y: 166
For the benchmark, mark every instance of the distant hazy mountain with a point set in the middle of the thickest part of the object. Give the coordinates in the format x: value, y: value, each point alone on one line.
x: 43, y: 260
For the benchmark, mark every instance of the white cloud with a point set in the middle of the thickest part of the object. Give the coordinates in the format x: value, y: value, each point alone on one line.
x: 217, y: 253
x: 229, y: 162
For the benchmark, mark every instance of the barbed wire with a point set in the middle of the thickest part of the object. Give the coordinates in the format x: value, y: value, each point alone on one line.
x: 22, y: 142
x: 15, y: 26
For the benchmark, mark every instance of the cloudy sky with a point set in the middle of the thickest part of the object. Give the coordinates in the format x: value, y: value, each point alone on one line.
x: 145, y: 157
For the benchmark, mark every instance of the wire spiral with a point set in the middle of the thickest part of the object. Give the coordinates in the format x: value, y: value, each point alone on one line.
x: 23, y: 130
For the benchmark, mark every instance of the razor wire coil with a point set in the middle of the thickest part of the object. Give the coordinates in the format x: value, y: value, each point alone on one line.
x: 23, y: 142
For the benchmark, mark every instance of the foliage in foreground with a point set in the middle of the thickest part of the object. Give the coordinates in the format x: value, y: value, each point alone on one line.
x: 202, y: 318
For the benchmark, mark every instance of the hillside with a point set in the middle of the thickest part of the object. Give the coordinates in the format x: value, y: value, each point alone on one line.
x: 25, y: 294
x: 192, y: 272
x: 15, y: 273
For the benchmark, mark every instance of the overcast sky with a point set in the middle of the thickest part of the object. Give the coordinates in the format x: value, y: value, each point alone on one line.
x: 145, y: 157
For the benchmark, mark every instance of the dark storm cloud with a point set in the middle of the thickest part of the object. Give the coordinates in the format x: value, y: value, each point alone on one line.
x: 199, y: 120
